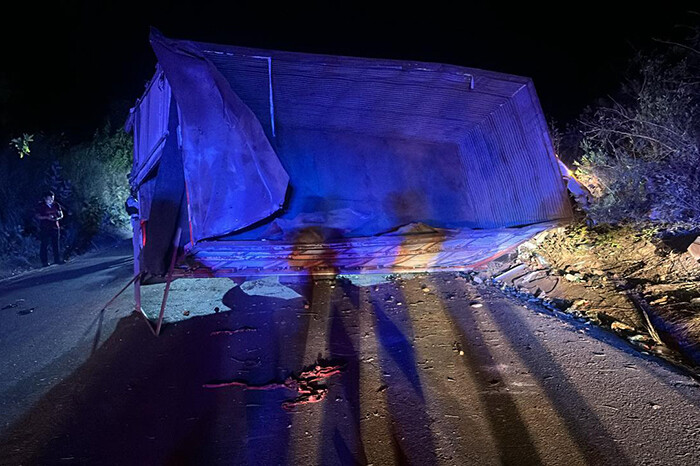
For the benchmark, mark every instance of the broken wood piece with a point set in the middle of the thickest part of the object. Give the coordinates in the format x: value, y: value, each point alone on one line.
x: 512, y: 273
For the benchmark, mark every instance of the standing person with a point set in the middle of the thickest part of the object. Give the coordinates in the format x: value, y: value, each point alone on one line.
x: 49, y: 213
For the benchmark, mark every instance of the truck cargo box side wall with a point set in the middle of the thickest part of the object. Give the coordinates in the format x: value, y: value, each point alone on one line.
x: 373, y: 144
x: 166, y: 203
x: 233, y: 176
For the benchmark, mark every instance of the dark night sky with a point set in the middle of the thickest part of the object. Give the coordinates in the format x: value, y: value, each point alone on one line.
x: 67, y: 64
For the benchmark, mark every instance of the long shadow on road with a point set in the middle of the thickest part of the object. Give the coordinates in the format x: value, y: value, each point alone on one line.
x: 412, y: 435
x: 62, y: 273
x: 513, y: 439
x: 511, y: 432
x: 341, y: 429
x: 140, y: 399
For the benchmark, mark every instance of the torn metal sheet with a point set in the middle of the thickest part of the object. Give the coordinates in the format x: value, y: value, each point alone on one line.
x: 233, y: 176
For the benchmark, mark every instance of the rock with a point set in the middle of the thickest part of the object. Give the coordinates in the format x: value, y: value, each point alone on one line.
x: 546, y: 283
x: 477, y: 280
x: 694, y: 249
x: 513, y: 273
x: 571, y: 277
x: 663, y: 351
x: 620, y: 327
x: 543, y: 262
x: 661, y: 300
x: 532, y: 276
x: 643, y: 341
x: 561, y: 304
x: 476, y: 305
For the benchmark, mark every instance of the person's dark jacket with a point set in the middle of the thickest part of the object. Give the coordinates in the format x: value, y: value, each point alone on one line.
x: 54, y: 211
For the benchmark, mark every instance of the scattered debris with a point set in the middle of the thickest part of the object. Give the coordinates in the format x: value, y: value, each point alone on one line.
x: 622, y: 328
x: 248, y: 363
x: 232, y: 332
x: 621, y: 278
x: 10, y: 306
x: 662, y: 300
x: 514, y: 272
x: 308, y: 386
x: 270, y: 287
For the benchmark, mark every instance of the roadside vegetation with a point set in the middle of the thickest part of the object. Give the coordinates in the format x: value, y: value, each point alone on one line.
x: 89, y: 180
x: 637, y: 152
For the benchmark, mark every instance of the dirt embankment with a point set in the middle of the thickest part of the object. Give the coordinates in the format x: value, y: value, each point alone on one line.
x: 627, y: 279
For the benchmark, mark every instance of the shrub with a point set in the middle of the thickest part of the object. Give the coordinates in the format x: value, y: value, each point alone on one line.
x: 641, y: 158
x: 98, y: 174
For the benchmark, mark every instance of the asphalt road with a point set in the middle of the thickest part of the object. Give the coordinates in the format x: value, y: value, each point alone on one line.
x: 434, y: 371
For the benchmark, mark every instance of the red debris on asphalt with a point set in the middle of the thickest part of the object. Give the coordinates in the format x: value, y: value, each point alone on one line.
x: 309, y: 385
x: 231, y: 332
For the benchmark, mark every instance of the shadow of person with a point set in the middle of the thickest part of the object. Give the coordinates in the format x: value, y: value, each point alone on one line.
x: 512, y: 434
x: 514, y: 443
x: 410, y: 423
x: 342, y: 433
x: 579, y: 418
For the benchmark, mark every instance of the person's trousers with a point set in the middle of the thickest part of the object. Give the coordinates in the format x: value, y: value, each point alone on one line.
x: 53, y: 237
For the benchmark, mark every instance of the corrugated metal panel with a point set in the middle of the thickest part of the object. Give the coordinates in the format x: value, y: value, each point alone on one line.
x: 249, y: 79
x: 364, y: 98
x: 510, y: 168
x: 446, y: 250
x: 395, y: 141
x: 150, y: 125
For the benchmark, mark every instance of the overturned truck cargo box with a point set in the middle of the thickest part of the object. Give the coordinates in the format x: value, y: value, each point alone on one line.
x: 259, y: 162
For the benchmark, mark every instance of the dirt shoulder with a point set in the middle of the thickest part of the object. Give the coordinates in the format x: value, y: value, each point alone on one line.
x: 627, y: 279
